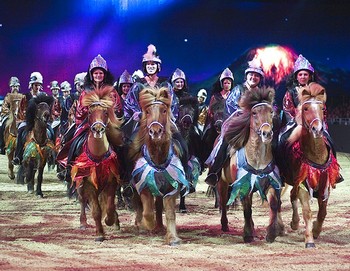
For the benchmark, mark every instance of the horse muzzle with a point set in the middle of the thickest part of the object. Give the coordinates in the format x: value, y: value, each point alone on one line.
x: 155, y: 130
x: 98, y: 129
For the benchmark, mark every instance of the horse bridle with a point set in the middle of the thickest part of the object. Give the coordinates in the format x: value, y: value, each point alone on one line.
x: 92, y: 126
x: 309, y: 126
x: 259, y: 130
x: 155, y: 122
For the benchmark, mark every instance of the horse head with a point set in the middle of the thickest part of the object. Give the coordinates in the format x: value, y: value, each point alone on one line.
x: 312, y: 103
x: 188, y: 114
x: 261, y: 121
x: 43, y: 112
x: 97, y: 119
x: 218, y: 116
x: 155, y: 104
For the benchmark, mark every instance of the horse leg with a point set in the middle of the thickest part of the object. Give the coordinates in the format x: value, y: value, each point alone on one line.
x: 322, y: 212
x: 294, y: 224
x: 222, y: 194
x: 96, y: 214
x: 148, y: 210
x: 29, y: 171
x: 39, y: 182
x: 182, y: 205
x: 304, y: 198
x: 248, y: 230
x: 120, y: 201
x: 83, y: 203
x: 112, y: 215
x: 275, y: 227
x: 159, y: 214
x: 10, y: 174
x: 20, y: 175
x: 136, y: 201
x: 171, y: 237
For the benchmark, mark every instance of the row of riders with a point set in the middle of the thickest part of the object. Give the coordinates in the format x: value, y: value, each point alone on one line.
x: 148, y: 136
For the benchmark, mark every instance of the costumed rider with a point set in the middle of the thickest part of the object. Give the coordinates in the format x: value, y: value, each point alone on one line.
x: 202, y: 107
x: 151, y: 66
x: 56, y: 109
x: 35, y: 86
x: 254, y: 78
x: 66, y: 104
x: 303, y: 75
x: 124, y: 84
x: 14, y: 85
x: 97, y: 77
x: 179, y: 83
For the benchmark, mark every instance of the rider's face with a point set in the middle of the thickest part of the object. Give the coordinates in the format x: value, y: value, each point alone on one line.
x: 253, y: 79
x: 151, y: 67
x: 98, y: 75
x: 303, y: 77
x: 179, y: 84
x: 227, y: 84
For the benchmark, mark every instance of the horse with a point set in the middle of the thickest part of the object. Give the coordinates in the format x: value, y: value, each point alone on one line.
x: 251, y: 165
x: 95, y: 171
x: 186, y: 123
x: 10, y: 132
x: 158, y: 174
x: 38, y: 145
x: 312, y: 167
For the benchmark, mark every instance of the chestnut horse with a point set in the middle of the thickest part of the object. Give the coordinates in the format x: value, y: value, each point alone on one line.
x: 95, y: 171
x: 312, y: 168
x: 38, y: 145
x: 251, y: 166
x: 158, y: 175
x: 10, y: 132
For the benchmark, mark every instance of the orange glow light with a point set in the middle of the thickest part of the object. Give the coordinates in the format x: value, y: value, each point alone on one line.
x: 277, y: 62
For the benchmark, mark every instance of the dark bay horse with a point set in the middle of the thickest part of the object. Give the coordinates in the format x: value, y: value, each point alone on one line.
x: 158, y: 175
x: 186, y: 123
x: 38, y: 145
x: 312, y: 168
x: 251, y: 166
x: 95, y: 171
x: 10, y: 132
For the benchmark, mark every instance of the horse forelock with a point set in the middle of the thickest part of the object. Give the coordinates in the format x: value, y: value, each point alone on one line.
x: 101, y: 96
x: 149, y: 96
x: 251, y: 98
x: 313, y: 91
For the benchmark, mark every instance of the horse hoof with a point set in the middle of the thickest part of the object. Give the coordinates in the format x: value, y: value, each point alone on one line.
x: 310, y: 245
x: 175, y: 242
x: 248, y: 239
x: 30, y: 191
x: 40, y: 196
x: 270, y: 238
x: 225, y: 229
x: 12, y: 177
x: 183, y: 211
x: 294, y: 226
x: 100, y: 239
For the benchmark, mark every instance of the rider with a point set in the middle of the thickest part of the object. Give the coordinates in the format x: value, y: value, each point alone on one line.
x: 179, y: 83
x: 254, y: 77
x: 302, y: 76
x: 66, y: 104
x: 5, y: 110
x: 56, y: 107
x: 151, y: 67
x: 124, y: 84
x: 35, y: 86
x: 202, y: 108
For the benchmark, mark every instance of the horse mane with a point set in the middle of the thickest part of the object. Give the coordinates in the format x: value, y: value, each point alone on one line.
x: 192, y: 102
x: 147, y: 97
x: 31, y: 109
x: 238, y: 127
x: 106, y: 97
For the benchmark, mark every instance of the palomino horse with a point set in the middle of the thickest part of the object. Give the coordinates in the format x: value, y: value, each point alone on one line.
x: 251, y: 167
x: 188, y: 117
x: 38, y: 145
x: 158, y: 175
x: 10, y: 132
x: 312, y: 168
x: 95, y: 171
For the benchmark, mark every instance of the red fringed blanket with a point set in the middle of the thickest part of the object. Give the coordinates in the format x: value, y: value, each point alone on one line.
x: 98, y: 168
x: 318, y: 177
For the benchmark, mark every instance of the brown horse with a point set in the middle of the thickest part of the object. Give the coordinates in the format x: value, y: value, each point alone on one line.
x: 158, y: 175
x: 251, y: 166
x: 10, y: 132
x: 95, y: 171
x: 38, y: 145
x: 313, y: 169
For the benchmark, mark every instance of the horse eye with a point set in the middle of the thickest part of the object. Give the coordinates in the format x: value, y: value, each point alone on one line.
x: 164, y: 111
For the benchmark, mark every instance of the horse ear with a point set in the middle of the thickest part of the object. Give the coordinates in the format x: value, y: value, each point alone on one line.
x: 305, y: 92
